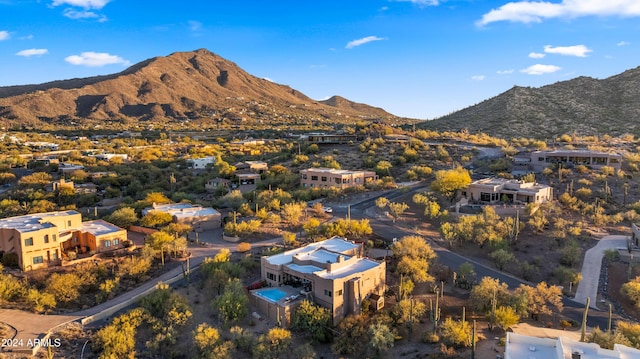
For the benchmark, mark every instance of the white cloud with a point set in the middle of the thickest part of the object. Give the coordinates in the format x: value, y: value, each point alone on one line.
x: 478, y: 77
x: 505, y: 72
x: 576, y: 50
x: 95, y: 59
x: 536, y: 55
x: 28, y: 37
x: 537, y: 11
x: 422, y: 2
x: 32, y: 52
x: 623, y: 43
x: 4, y: 35
x: 362, y: 41
x: 539, y: 69
x: 84, y: 14
x: 195, y: 25
x: 86, y: 4
x: 384, y: 8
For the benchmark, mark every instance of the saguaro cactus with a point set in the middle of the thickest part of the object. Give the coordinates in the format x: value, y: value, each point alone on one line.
x: 434, y: 312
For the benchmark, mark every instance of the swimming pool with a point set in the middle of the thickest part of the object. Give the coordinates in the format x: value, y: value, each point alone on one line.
x: 271, y: 294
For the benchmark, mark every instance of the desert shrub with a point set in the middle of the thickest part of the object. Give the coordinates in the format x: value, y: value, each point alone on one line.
x: 243, y: 247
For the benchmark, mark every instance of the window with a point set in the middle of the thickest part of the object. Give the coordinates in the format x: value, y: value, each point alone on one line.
x: 55, y: 255
x: 38, y: 260
x: 46, y: 238
x: 55, y: 237
x: 116, y: 241
x: 304, y: 176
x: 323, y: 179
x: 485, y: 197
x: 107, y: 243
x: 339, y: 293
x: 357, y: 180
x: 271, y: 276
x: 28, y: 242
x: 69, y: 223
x: 314, y: 178
x: 327, y: 293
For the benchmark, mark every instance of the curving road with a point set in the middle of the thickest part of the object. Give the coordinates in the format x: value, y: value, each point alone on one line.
x: 30, y: 326
x: 386, y: 230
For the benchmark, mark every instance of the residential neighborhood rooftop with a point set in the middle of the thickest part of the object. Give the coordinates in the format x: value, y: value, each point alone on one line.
x: 32, y: 222
x: 99, y: 227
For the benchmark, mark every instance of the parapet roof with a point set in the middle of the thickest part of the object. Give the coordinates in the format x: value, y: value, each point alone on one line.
x: 334, y: 171
x: 334, y: 244
x: 33, y: 222
x: 99, y: 227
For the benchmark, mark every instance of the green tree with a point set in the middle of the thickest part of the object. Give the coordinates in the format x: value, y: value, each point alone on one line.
x: 118, y: 339
x: 232, y: 304
x: 37, y: 179
x: 409, y: 312
x: 291, y: 212
x: 543, y: 299
x: 353, y: 330
x: 397, y: 209
x: 456, y: 333
x: 382, y: 202
x: 311, y: 227
x: 381, y: 338
x: 489, y: 289
x: 607, y: 340
x: 209, y: 343
x: 501, y: 258
x: 156, y: 219
x: 631, y: 331
x: 631, y: 290
x: 64, y: 287
x: 233, y: 199
x: 314, y: 321
x: 123, y: 217
x: 383, y: 168
x: 414, y: 256
x: 40, y: 301
x: 449, y: 182
x: 505, y: 317
x: 273, y: 345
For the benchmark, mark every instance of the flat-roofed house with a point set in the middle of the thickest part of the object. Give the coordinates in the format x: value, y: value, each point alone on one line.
x: 200, y: 218
x: 519, y: 346
x: 38, y: 240
x: 494, y: 190
x: 201, y: 163
x: 331, y: 273
x: 594, y: 159
x: 97, y: 236
x: 328, y: 177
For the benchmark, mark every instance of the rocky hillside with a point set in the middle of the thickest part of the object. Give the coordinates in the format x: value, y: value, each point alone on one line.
x: 583, y: 105
x: 181, y: 87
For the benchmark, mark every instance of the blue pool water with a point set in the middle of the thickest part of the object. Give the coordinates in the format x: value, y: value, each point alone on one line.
x: 271, y: 294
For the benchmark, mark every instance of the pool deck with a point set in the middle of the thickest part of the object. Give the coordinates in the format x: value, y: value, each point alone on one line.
x: 286, y: 299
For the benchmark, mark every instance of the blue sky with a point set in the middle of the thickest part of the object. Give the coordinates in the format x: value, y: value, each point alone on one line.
x: 414, y: 58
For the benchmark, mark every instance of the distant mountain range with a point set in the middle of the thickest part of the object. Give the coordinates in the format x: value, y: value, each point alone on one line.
x: 584, y: 106
x: 184, y: 86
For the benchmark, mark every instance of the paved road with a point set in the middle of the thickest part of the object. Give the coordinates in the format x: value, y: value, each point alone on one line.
x: 388, y: 231
x: 591, y: 267
x: 30, y: 326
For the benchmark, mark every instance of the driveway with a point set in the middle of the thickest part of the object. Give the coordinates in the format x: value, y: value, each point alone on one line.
x: 591, y: 266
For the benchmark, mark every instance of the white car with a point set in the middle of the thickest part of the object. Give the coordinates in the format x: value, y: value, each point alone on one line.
x: 327, y: 209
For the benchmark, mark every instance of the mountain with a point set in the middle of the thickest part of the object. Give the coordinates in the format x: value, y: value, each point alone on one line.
x: 584, y: 106
x: 184, y: 86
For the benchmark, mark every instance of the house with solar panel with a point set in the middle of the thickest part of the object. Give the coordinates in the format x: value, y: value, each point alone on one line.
x: 331, y: 273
